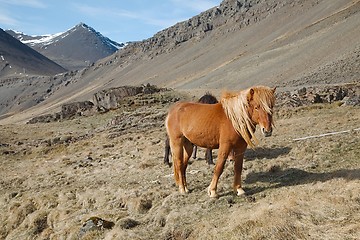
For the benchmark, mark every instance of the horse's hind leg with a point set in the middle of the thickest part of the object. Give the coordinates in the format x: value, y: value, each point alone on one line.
x: 178, y: 161
x: 188, y: 149
x: 195, y: 150
x: 208, y: 156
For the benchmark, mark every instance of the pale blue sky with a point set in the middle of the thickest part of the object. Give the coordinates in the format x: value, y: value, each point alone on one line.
x: 120, y: 20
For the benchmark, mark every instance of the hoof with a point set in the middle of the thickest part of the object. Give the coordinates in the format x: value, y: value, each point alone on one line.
x: 183, y: 190
x: 212, y: 193
x: 240, y: 192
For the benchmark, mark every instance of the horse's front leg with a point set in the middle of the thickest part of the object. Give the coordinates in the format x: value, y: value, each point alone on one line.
x: 238, y: 166
x: 219, y: 167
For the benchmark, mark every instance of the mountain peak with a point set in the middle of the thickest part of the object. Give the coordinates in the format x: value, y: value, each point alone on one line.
x: 76, y: 48
x: 83, y: 25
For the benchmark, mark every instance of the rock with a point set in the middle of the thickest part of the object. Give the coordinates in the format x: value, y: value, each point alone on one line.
x: 104, y: 101
x: 95, y: 224
x: 302, y: 91
x: 70, y: 110
x: 108, y: 145
x: 87, y: 162
x: 139, y: 205
x: 349, y: 94
x: 128, y: 223
x: 43, y: 119
x: 65, y: 139
x: 352, y: 101
x: 112, y: 98
x: 340, y: 94
x: 55, y: 140
x: 317, y: 99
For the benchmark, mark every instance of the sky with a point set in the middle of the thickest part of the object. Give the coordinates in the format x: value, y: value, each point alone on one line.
x: 119, y: 20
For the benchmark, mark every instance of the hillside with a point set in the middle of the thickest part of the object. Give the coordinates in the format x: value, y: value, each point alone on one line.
x: 74, y: 49
x: 237, y: 45
x: 17, y: 59
x: 232, y: 46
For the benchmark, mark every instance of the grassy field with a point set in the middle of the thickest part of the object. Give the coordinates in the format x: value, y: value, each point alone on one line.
x: 56, y: 176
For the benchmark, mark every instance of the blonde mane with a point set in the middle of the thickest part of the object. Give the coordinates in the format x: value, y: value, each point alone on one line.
x: 236, y: 106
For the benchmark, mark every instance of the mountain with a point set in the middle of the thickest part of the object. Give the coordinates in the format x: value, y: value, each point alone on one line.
x: 74, y: 49
x: 17, y: 59
x: 242, y: 43
x: 238, y: 44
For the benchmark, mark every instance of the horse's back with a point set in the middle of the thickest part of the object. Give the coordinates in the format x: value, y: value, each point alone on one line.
x: 196, y: 111
x: 199, y: 123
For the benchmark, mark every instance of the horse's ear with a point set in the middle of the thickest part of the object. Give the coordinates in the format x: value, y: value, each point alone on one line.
x: 273, y: 89
x: 250, y: 95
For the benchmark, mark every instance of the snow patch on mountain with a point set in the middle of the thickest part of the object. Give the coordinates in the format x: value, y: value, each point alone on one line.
x: 44, y: 40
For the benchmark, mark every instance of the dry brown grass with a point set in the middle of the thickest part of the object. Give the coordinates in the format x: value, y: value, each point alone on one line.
x: 296, y: 189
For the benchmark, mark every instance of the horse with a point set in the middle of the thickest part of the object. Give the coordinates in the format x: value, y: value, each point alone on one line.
x: 228, y: 126
x: 208, y: 98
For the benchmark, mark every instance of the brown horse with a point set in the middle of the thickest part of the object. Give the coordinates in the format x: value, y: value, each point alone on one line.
x: 229, y: 126
x: 208, y: 98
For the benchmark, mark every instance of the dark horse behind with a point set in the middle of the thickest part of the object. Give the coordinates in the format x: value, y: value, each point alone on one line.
x: 208, y: 98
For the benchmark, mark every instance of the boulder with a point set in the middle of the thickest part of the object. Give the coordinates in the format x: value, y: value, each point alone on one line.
x: 70, y: 110
x: 111, y: 98
x: 95, y: 224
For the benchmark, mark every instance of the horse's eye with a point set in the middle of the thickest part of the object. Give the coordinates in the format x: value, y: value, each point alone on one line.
x: 257, y: 107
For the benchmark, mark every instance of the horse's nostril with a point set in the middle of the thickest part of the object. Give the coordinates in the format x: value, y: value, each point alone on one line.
x: 267, y: 133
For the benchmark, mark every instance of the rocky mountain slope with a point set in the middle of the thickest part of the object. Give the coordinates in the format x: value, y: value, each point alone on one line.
x: 242, y: 43
x: 232, y: 46
x: 17, y: 59
x: 76, y: 48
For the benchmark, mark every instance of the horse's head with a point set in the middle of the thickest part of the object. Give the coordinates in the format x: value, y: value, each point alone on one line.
x: 261, y: 101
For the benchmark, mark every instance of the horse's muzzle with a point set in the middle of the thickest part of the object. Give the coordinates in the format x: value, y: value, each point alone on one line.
x: 266, y: 133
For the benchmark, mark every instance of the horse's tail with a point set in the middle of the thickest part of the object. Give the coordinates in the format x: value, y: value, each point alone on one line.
x: 167, y: 124
x: 167, y: 151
